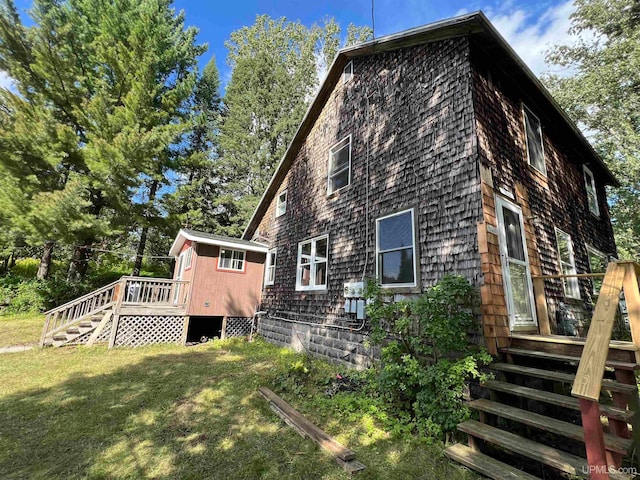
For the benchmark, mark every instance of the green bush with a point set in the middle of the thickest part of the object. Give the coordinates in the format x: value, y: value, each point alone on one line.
x: 426, y: 359
x: 26, y: 268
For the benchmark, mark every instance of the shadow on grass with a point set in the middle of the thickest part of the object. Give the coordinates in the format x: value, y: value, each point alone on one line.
x: 191, y: 415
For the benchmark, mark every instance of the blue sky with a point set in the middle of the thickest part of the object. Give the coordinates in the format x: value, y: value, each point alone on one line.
x: 530, y: 27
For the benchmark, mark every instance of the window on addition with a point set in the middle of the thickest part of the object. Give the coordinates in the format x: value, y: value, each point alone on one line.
x: 231, y: 260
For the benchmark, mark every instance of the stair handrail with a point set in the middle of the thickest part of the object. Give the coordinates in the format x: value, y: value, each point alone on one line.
x: 588, y: 380
x: 53, y: 323
x: 590, y: 371
x: 84, y: 297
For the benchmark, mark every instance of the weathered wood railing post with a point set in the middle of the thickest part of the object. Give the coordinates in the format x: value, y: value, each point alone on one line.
x: 541, y: 306
x: 119, y: 296
x: 588, y: 381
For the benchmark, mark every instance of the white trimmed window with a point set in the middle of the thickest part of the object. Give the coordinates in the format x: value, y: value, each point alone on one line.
x: 231, y: 260
x: 339, y: 165
x: 592, y: 194
x: 188, y: 254
x: 535, y: 150
x: 281, y: 204
x: 395, y: 250
x: 313, y: 262
x: 597, y: 264
x: 270, y: 267
x: 567, y: 264
x: 347, y: 73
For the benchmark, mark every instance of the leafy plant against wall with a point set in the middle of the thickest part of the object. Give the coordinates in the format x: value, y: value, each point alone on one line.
x: 426, y: 359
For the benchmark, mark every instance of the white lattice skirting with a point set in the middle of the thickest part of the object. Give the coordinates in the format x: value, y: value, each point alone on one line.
x: 238, y: 326
x: 138, y: 330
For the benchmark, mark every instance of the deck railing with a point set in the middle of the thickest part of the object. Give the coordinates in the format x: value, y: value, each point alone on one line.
x: 126, y: 292
x: 57, y: 319
x: 143, y: 291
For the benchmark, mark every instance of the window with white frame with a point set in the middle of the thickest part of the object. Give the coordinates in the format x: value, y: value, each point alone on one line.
x: 535, y: 150
x: 347, y: 73
x: 592, y: 195
x: 339, y: 165
x: 395, y: 250
x: 567, y: 264
x: 281, y: 204
x: 270, y: 267
x: 313, y: 262
x: 597, y: 264
x: 188, y: 253
x: 231, y: 260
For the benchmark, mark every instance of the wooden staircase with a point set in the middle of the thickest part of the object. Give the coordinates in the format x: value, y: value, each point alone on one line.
x: 530, y: 421
x: 84, y: 320
x: 543, y: 416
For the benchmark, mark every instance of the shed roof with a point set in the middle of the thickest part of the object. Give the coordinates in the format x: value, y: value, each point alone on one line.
x: 210, y: 239
x: 474, y: 25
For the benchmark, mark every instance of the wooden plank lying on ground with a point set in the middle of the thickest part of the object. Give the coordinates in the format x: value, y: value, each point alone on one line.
x: 344, y: 456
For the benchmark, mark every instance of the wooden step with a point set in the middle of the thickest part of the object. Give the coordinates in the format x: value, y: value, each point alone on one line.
x: 573, y: 346
x: 565, y: 358
x: 564, y: 401
x: 564, y: 340
x: 557, y: 427
x: 563, y: 461
x: 87, y: 324
x: 73, y: 330
x: 485, y: 465
x: 558, y: 376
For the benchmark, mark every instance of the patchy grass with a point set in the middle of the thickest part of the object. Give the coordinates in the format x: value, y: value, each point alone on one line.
x: 20, y: 328
x: 171, y: 412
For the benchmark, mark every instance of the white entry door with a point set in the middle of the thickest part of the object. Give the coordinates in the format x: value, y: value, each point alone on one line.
x: 515, y: 266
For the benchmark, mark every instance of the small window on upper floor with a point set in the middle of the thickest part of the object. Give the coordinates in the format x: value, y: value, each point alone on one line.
x: 347, y: 73
x: 592, y: 194
x: 339, y: 165
x: 281, y: 204
x: 535, y: 150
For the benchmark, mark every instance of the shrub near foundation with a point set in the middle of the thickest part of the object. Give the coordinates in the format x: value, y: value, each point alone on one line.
x: 426, y: 359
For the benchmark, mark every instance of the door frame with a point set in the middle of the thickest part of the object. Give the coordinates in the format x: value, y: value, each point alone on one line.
x: 504, y: 261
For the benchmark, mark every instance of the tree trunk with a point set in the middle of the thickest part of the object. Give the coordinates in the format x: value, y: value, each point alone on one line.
x: 137, y: 266
x: 45, y: 261
x: 12, y: 261
x: 79, y: 263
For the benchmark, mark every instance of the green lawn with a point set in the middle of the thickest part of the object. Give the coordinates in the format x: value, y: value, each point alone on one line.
x: 18, y: 329
x: 168, y: 412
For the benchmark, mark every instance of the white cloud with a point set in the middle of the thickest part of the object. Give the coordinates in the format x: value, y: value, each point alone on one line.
x: 531, y: 37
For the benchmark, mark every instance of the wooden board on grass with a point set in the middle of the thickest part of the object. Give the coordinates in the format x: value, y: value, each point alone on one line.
x: 343, y: 456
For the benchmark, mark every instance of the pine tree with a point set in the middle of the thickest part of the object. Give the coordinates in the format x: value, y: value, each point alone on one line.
x: 103, y: 92
x: 276, y: 66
